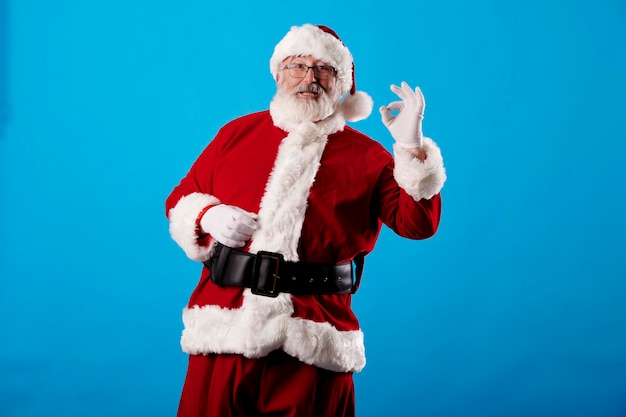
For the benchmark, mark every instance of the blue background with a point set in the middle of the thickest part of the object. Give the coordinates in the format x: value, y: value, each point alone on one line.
x: 515, y: 308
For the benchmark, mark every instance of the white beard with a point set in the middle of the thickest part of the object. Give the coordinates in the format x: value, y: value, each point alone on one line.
x: 293, y: 110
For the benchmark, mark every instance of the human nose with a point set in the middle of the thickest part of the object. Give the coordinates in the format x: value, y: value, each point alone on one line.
x: 310, y: 74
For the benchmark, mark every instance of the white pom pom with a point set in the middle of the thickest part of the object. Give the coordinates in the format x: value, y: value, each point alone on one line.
x: 357, y: 106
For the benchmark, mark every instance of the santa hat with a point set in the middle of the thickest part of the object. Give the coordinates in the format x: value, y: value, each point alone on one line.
x: 323, y: 43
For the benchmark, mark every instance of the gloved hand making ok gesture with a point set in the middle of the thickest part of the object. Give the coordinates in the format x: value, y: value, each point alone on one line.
x: 406, y: 126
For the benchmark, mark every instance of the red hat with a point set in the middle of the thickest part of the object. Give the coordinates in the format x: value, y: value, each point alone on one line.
x: 324, y: 44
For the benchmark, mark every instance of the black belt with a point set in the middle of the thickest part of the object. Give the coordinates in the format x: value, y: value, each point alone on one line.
x: 267, y: 273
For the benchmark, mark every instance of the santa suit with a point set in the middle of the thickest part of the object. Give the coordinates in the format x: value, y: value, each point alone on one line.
x: 322, y: 192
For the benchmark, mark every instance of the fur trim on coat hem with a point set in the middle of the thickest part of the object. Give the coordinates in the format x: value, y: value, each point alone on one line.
x: 262, y: 325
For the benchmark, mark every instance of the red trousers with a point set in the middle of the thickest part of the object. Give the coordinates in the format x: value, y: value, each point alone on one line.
x: 276, y: 385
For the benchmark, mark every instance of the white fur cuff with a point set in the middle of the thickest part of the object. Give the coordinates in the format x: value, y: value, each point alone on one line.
x: 183, y: 224
x: 420, y: 179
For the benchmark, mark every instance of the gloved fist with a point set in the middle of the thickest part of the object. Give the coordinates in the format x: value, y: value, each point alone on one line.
x: 406, y: 126
x: 229, y: 225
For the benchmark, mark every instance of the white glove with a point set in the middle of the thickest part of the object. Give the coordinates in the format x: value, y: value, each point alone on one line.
x: 406, y: 126
x: 229, y: 225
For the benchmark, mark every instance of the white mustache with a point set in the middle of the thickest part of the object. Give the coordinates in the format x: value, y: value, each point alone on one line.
x: 314, y: 88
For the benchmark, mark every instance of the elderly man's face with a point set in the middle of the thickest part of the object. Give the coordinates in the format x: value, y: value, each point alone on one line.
x: 306, y: 90
x: 307, y: 87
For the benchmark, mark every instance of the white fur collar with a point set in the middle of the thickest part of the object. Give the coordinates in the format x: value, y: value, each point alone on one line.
x: 284, y: 202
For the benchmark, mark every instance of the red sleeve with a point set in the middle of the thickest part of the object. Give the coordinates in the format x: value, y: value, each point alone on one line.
x: 402, y: 213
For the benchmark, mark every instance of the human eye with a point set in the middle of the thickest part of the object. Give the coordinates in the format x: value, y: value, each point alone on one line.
x: 298, y: 66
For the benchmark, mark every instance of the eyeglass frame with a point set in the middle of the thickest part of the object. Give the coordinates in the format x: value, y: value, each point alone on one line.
x: 315, y: 69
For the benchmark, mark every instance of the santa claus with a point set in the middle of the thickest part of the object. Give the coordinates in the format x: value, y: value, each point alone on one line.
x: 281, y: 208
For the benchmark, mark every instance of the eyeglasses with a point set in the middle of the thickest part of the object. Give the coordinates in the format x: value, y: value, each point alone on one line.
x: 321, y: 72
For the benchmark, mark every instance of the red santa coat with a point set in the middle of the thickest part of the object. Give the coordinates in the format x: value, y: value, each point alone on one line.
x: 322, y: 192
